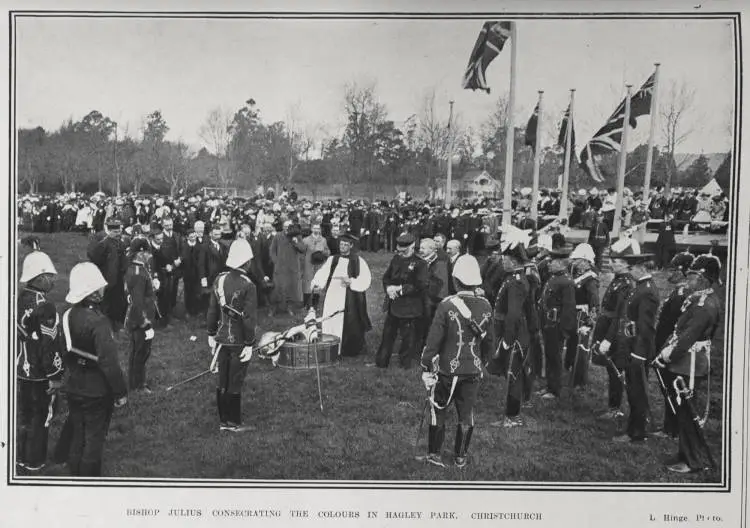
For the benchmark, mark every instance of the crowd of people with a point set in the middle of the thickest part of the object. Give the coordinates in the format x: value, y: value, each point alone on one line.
x: 530, y: 312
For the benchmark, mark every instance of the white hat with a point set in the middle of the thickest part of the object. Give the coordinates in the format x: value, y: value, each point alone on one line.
x: 36, y: 263
x: 607, y: 206
x: 593, y: 191
x: 159, y: 202
x: 199, y: 225
x: 526, y: 191
x: 582, y: 192
x: 466, y: 270
x: 85, y: 279
x: 240, y: 253
x: 583, y: 251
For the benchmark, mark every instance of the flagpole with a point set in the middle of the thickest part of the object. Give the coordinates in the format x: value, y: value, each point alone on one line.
x: 621, y: 170
x: 568, y: 154
x: 510, y: 131
x: 652, y: 132
x: 537, y: 150
x: 449, y: 183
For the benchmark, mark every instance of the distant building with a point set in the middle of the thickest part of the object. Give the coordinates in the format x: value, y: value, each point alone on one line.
x: 476, y: 183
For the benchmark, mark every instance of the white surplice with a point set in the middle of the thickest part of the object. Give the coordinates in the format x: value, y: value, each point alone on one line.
x: 335, y: 297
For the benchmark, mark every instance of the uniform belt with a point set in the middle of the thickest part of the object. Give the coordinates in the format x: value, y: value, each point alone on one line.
x: 636, y: 356
x: 601, y: 237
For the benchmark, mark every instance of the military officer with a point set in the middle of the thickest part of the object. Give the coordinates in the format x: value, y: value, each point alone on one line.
x: 460, y: 341
x: 586, y: 281
x: 141, y: 314
x: 109, y: 256
x: 93, y: 381
x: 405, y: 283
x: 635, y: 340
x: 39, y: 359
x: 558, y: 317
x: 515, y: 322
x: 599, y: 238
x: 232, y: 317
x: 606, y: 333
x: 687, y: 359
x: 668, y: 317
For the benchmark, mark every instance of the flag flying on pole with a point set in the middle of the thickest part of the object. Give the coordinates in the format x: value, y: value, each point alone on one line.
x: 609, y: 137
x: 564, y: 132
x: 530, y: 140
x: 489, y: 44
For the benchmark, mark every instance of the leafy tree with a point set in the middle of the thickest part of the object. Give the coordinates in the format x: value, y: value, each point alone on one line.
x: 698, y: 173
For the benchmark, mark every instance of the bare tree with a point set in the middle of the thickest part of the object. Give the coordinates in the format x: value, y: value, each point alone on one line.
x: 674, y: 108
x: 364, y: 114
x: 216, y: 132
x: 433, y: 135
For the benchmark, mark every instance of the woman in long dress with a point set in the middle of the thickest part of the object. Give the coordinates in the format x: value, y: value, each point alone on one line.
x: 345, y: 279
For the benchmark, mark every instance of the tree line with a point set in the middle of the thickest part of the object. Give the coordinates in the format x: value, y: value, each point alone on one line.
x: 243, y: 151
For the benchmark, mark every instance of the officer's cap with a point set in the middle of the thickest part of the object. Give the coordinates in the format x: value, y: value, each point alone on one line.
x: 139, y: 244
x: 707, y: 265
x: 682, y: 261
x: 114, y: 223
x: 407, y: 239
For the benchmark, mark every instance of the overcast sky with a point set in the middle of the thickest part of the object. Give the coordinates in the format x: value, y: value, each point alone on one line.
x: 126, y: 68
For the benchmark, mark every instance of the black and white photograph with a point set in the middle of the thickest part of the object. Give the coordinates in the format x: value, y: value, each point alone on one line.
x: 376, y: 264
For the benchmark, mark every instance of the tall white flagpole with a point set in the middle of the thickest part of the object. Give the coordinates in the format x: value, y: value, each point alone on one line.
x: 510, y: 130
x: 652, y: 132
x: 568, y: 153
x: 621, y: 170
x: 537, y: 156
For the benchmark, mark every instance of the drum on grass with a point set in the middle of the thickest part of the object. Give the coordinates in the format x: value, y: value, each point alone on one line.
x: 300, y: 355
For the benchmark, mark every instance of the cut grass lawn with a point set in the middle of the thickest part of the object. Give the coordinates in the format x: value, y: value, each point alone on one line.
x: 369, y: 426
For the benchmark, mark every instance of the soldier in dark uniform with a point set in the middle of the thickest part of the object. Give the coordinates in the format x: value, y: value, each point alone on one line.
x: 460, y: 341
x: 93, y: 381
x: 599, y: 238
x: 515, y: 322
x: 39, y: 359
x: 635, y: 345
x: 665, y: 242
x: 391, y: 229
x: 141, y: 314
x: 405, y: 283
x: 668, y: 317
x: 687, y: 358
x: 606, y: 333
x: 232, y: 316
x: 586, y: 282
x: 109, y: 256
x: 557, y: 313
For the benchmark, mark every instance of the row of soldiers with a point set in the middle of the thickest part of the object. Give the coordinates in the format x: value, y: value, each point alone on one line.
x: 518, y: 317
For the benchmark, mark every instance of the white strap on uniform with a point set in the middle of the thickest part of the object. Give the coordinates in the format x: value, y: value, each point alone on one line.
x: 66, y: 331
x: 220, y: 290
x: 435, y: 405
x: 583, y: 277
x: 461, y: 307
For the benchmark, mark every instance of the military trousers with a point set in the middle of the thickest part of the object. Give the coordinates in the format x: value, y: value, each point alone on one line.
x: 553, y: 341
x: 407, y: 329
x: 33, y: 408
x: 231, y: 370
x: 89, y: 418
x: 635, y: 374
x: 140, y: 351
x: 464, y: 398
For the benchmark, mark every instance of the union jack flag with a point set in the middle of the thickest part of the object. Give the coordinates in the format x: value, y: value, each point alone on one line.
x: 609, y: 138
x: 489, y: 44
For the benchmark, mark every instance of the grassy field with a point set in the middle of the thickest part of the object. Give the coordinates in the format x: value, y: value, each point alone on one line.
x: 369, y: 426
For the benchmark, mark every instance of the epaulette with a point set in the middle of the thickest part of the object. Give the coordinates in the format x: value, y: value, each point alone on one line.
x: 584, y: 276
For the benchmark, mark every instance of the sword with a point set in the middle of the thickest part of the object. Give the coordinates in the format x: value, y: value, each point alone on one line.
x: 50, y: 411
x: 684, y: 393
x: 212, y: 369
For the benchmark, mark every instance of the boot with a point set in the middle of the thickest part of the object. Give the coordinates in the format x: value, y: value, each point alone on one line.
x: 221, y: 405
x: 306, y: 300
x: 463, y: 437
x: 234, y: 415
x: 435, y: 437
x: 315, y: 300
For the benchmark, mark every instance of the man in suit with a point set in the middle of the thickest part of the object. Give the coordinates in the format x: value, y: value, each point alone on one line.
x: 213, y: 259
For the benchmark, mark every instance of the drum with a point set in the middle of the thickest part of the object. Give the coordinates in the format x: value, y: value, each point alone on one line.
x: 300, y: 355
